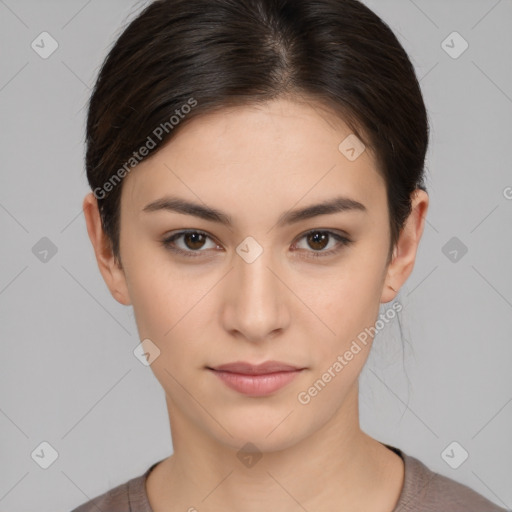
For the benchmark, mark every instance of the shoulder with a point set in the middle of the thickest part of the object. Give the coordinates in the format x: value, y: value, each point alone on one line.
x: 427, y: 491
x: 130, y: 495
x: 114, y: 500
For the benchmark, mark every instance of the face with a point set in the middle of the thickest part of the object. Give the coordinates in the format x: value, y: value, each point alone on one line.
x: 268, y: 285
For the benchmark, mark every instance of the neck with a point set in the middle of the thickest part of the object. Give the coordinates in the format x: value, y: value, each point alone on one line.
x: 338, y: 467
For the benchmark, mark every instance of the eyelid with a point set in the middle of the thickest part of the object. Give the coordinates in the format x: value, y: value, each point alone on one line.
x: 168, y: 240
x: 342, y: 238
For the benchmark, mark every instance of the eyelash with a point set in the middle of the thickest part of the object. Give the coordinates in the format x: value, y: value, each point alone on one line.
x: 168, y: 243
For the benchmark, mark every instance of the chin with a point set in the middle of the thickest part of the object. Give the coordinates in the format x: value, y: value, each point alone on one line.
x: 257, y: 441
x: 270, y: 434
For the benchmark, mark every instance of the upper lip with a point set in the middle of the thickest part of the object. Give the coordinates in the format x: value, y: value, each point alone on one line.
x: 255, y: 369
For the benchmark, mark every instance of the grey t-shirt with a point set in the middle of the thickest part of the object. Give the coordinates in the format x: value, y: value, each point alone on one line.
x: 422, y: 491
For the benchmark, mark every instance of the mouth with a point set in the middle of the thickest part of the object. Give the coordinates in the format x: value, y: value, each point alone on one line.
x: 256, y: 369
x: 256, y: 380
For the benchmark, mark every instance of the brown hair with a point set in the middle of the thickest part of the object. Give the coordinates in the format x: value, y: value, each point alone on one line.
x: 179, y: 59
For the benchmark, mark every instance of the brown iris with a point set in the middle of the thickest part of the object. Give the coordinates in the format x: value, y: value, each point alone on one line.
x: 196, y: 240
x: 316, y: 238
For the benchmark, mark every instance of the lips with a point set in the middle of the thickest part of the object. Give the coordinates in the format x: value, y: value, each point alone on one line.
x: 256, y: 380
x: 244, y: 368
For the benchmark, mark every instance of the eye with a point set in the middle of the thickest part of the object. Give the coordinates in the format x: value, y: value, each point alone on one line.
x: 319, y: 239
x: 192, y: 239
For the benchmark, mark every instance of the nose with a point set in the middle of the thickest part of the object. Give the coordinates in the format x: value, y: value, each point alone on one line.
x: 255, y: 299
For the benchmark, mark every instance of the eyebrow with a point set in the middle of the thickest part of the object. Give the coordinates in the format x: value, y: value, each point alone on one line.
x: 176, y: 204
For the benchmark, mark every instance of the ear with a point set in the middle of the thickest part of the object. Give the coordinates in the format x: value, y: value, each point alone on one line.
x: 111, y: 270
x: 404, y: 254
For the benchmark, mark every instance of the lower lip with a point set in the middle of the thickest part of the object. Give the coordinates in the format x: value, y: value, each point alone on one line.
x: 256, y: 385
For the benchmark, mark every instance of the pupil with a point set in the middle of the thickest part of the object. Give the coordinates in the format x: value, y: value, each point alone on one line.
x: 315, y: 239
x: 194, y: 236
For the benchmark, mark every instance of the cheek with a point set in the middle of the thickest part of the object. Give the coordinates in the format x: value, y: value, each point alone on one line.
x: 349, y: 308
x: 152, y: 302
x: 158, y: 291
x: 349, y: 305
x: 170, y: 309
x: 350, y: 299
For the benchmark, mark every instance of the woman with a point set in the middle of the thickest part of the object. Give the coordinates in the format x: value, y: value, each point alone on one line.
x: 257, y: 175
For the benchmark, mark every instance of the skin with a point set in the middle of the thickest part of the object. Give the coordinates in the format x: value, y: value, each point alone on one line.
x: 254, y: 163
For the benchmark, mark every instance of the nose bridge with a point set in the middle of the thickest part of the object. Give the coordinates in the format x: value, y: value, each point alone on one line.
x: 255, y: 278
x: 256, y: 303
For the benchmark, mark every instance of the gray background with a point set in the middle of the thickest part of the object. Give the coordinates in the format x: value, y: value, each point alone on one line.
x: 68, y: 374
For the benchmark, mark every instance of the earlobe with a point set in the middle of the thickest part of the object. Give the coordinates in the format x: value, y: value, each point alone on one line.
x: 112, y: 273
x: 404, y: 254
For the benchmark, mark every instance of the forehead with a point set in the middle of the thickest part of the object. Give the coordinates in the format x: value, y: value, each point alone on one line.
x: 277, y: 152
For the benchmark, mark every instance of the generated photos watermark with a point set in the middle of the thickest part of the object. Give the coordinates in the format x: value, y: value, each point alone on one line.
x: 158, y: 133
x: 304, y: 397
